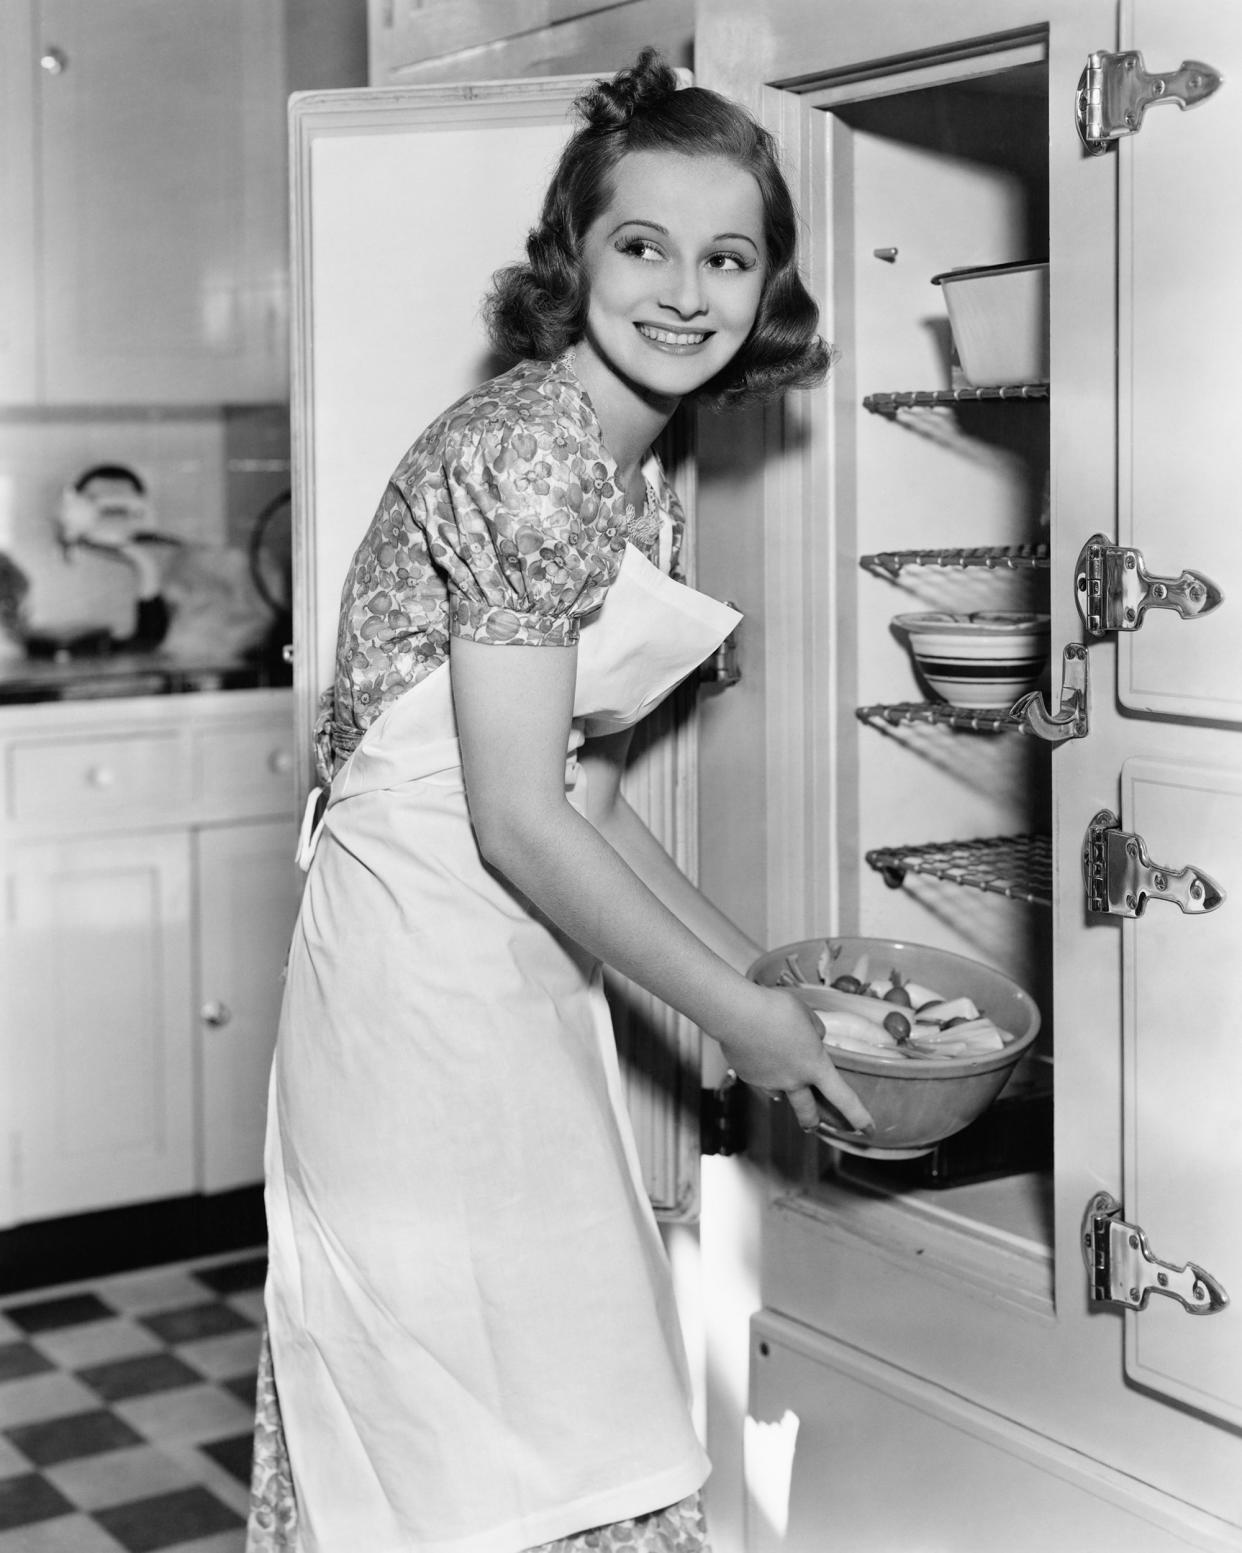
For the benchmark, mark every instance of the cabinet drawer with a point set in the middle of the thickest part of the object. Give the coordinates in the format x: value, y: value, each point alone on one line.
x: 75, y: 783
x: 245, y: 770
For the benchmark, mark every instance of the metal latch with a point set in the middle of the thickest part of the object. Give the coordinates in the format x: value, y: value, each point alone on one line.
x: 1069, y: 721
x: 1122, y: 1271
x: 1115, y: 90
x: 1120, y: 878
x: 1113, y: 588
x: 723, y: 1113
x: 722, y: 668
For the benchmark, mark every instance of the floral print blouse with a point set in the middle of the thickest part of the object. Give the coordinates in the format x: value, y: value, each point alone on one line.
x: 504, y: 523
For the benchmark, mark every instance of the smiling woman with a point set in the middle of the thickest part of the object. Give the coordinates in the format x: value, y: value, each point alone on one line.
x: 459, y: 1368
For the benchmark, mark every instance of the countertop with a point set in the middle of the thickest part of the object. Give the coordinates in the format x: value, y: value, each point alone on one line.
x: 26, y: 680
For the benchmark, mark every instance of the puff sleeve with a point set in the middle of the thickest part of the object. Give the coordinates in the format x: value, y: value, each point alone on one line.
x: 527, y: 530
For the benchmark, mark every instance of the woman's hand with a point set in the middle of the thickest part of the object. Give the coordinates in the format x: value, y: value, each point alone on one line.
x: 783, y: 1052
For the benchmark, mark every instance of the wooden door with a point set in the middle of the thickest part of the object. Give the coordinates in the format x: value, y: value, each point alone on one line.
x: 386, y: 334
x: 98, y: 963
x: 246, y: 897
x: 161, y: 178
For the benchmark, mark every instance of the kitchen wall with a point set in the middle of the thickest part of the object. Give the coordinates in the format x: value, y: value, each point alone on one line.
x: 208, y: 474
x: 209, y: 470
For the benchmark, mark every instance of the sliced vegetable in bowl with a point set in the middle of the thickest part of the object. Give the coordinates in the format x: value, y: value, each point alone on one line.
x: 926, y: 1038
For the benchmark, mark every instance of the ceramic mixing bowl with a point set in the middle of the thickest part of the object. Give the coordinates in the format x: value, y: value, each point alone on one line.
x: 914, y: 1102
x: 986, y: 659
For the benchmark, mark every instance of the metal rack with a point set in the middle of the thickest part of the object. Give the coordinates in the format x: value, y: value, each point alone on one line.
x: 889, y: 404
x: 1019, y: 867
x: 996, y: 558
x: 976, y: 718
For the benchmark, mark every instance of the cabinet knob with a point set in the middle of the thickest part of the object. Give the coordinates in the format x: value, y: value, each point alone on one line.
x: 281, y: 762
x: 215, y: 1014
x: 54, y: 61
x: 101, y: 776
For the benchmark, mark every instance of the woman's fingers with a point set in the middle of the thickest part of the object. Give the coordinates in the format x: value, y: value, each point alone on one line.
x: 805, y: 1107
x: 839, y: 1095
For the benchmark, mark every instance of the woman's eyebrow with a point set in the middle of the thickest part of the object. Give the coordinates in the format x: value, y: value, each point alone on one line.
x: 655, y: 226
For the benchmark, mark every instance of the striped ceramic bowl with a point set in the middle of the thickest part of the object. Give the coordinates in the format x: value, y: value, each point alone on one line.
x: 985, y: 659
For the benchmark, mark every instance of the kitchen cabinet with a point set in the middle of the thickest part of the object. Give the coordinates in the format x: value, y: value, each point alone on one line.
x: 143, y: 178
x: 411, y: 43
x: 150, y: 891
x: 954, y: 1329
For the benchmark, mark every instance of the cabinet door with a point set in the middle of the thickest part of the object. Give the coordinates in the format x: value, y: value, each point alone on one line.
x: 17, y: 201
x: 411, y: 43
x: 246, y: 899
x: 98, y: 1022
x: 162, y: 181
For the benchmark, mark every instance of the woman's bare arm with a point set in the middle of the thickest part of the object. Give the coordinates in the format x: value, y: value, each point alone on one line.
x: 514, y: 706
x: 603, y: 761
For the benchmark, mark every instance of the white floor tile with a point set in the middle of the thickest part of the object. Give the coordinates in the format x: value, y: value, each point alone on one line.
x: 249, y: 1304
x: 117, y: 1477
x: 190, y: 1413
x: 62, y: 1534
x: 37, y: 1397
x: 162, y: 1288
x: 221, y: 1358
x: 95, y: 1342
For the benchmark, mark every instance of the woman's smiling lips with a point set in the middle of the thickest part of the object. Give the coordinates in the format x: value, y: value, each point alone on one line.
x: 675, y: 340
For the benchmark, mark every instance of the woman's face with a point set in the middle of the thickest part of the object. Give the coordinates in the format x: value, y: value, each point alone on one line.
x: 676, y: 266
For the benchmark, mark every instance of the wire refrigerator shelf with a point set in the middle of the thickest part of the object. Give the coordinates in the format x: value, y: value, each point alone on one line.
x: 1019, y: 867
x: 996, y: 558
x: 904, y: 713
x: 889, y: 404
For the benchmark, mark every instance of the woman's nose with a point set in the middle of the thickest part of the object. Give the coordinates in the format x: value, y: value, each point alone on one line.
x: 684, y: 292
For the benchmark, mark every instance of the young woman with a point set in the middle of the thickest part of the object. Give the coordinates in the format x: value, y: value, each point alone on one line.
x: 471, y: 1319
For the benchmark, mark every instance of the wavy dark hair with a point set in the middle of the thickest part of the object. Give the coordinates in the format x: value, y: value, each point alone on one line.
x: 537, y: 309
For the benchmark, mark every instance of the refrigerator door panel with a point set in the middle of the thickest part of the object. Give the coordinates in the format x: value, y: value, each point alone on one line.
x: 1182, y: 1071
x: 1179, y: 239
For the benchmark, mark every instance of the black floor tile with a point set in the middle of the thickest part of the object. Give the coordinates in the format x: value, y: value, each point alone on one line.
x: 29, y: 1498
x: 67, y: 1311
x: 149, y: 1524
x: 80, y: 1434
x: 234, y: 1454
x: 243, y: 1387
x: 139, y: 1377
x: 20, y: 1359
x: 233, y: 1277
x: 194, y: 1321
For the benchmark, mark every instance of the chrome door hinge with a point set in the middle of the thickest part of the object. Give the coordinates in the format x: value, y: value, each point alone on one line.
x: 1115, y: 90
x: 722, y: 1117
x: 1120, y: 878
x: 1122, y: 1271
x: 1113, y: 588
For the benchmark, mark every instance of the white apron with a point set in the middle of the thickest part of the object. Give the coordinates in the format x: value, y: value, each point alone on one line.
x: 470, y: 1310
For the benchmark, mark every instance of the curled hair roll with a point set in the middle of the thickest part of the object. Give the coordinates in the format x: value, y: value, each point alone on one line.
x: 610, y: 105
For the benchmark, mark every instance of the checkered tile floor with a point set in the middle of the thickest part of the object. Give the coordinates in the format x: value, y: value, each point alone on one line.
x: 126, y: 1410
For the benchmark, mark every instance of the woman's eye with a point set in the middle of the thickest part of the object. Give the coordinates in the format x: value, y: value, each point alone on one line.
x: 639, y: 248
x: 730, y: 261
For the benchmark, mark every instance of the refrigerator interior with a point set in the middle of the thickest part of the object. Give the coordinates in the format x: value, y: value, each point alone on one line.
x: 920, y: 182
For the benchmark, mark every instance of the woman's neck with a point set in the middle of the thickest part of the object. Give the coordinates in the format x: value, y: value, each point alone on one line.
x: 629, y: 419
